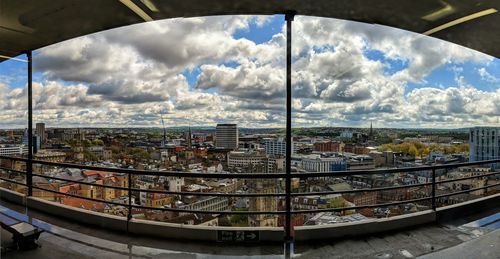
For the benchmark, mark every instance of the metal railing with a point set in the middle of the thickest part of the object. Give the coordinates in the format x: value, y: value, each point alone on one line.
x: 288, y: 212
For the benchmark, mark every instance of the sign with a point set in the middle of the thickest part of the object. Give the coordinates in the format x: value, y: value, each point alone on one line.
x: 237, y: 236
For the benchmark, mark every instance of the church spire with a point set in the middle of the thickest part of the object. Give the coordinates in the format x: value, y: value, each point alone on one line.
x: 371, y: 130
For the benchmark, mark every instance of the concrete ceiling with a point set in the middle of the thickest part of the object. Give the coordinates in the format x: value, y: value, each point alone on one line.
x: 32, y: 24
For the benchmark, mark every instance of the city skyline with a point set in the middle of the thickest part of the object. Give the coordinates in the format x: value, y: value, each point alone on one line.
x: 345, y: 75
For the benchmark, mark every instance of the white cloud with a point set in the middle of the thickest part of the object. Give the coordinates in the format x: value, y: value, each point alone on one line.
x: 129, y: 76
x: 487, y: 76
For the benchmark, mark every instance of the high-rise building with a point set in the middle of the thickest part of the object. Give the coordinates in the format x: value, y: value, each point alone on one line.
x: 370, y: 136
x: 40, y: 132
x: 25, y: 138
x: 226, y: 136
x: 188, y: 137
x: 484, y: 143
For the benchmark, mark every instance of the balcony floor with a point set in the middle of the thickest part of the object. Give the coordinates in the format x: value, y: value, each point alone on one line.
x: 67, y: 239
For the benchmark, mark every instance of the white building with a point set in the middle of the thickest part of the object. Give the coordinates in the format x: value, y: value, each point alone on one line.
x: 175, y: 183
x: 207, y: 204
x: 316, y: 163
x: 346, y: 134
x: 11, y: 150
x: 278, y: 147
x: 244, y: 159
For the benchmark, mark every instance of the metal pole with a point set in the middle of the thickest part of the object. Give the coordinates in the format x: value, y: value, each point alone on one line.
x: 29, y: 164
x: 288, y: 184
x: 434, y: 189
x: 129, y: 215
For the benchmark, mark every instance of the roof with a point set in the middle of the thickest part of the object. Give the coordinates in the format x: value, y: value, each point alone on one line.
x: 83, y: 204
x: 95, y: 173
x: 31, y: 24
x: 67, y: 188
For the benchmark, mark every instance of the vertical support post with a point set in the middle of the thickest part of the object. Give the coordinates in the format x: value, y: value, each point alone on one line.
x: 289, y: 15
x: 29, y: 164
x: 129, y: 215
x: 433, y: 189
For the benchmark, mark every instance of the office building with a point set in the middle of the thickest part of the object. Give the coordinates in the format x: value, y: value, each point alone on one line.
x: 277, y: 147
x: 226, y: 136
x: 484, y: 143
x: 316, y: 163
x: 40, y: 132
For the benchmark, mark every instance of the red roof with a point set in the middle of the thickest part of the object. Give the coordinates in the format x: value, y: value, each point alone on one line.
x: 66, y: 188
x: 90, y: 173
x: 101, y: 174
x: 83, y: 204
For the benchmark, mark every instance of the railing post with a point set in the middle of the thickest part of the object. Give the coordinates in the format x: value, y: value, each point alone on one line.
x: 289, y: 15
x: 433, y: 189
x: 129, y: 192
x: 29, y: 164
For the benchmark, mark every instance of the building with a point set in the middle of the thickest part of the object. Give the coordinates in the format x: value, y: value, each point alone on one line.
x: 275, y: 164
x: 484, y: 143
x: 158, y: 200
x: 50, y: 156
x: 277, y: 147
x: 175, y: 183
x: 316, y: 163
x: 207, y: 204
x: 40, y: 132
x: 327, y: 146
x: 244, y: 159
x: 226, y: 136
x: 10, y: 150
x: 385, y: 158
x: 263, y: 203
x: 346, y: 134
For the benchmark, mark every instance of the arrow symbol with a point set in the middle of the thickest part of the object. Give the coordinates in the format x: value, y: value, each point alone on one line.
x: 251, y: 236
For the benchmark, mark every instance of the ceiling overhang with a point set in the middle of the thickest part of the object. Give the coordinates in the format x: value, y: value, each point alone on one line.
x: 27, y: 25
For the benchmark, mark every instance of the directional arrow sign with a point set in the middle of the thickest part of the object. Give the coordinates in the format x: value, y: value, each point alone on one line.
x: 237, y: 236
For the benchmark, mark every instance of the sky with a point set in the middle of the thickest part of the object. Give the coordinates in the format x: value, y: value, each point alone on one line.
x: 231, y: 69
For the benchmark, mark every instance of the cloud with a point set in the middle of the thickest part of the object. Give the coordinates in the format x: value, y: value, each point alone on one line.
x: 248, y: 80
x: 487, y: 76
x: 129, y: 76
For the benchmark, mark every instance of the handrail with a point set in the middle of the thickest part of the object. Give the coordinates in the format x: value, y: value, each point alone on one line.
x: 258, y: 175
x: 362, y: 190
x: 130, y: 189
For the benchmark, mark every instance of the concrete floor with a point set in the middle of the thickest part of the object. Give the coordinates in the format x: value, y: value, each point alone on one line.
x: 486, y: 246
x: 70, y: 240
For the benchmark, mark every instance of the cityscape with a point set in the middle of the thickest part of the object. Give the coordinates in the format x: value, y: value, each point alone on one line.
x: 226, y: 148
x: 249, y: 129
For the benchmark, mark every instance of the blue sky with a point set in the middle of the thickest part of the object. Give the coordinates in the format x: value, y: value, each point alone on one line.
x: 232, y: 69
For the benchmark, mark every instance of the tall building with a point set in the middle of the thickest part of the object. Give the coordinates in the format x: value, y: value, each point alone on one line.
x: 40, y: 131
x: 188, y: 137
x: 370, y: 136
x: 25, y: 138
x: 484, y: 143
x: 226, y: 136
